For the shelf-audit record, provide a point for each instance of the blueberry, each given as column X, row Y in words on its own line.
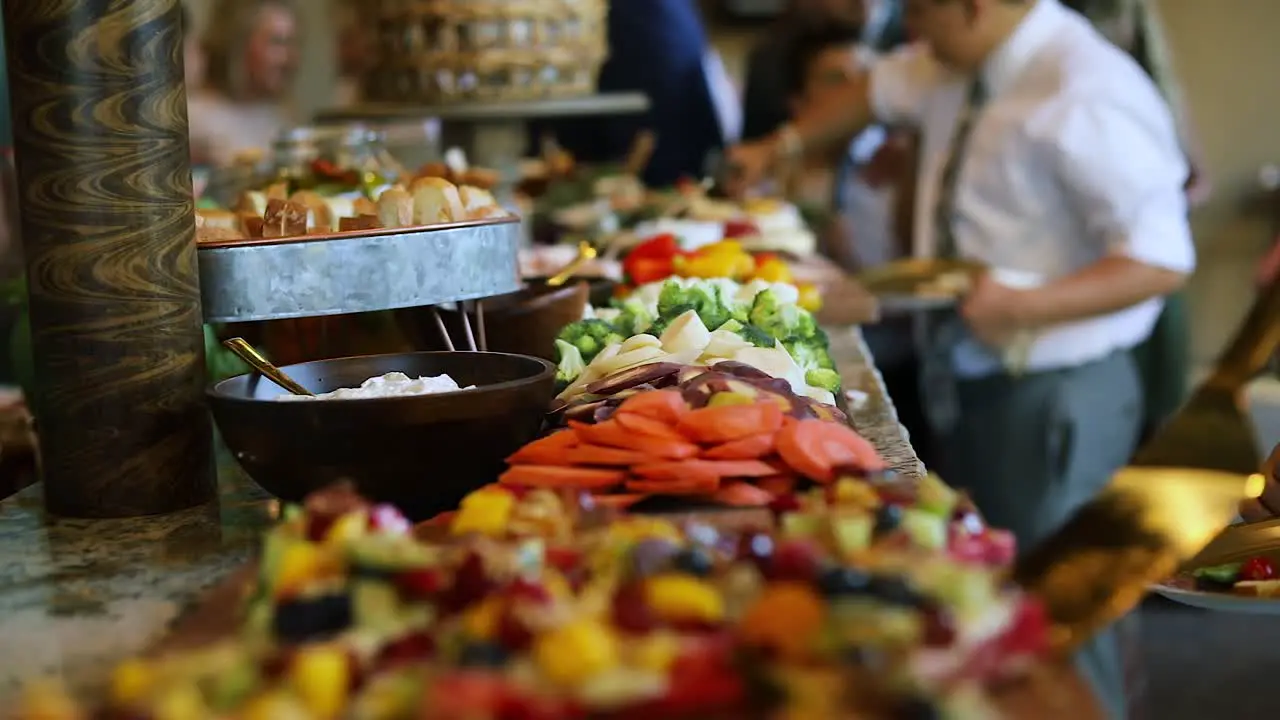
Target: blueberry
column 916, row 708
column 694, row 560
column 839, row 581
column 311, row 618
column 888, row 518
column 482, row 654
column 894, row 590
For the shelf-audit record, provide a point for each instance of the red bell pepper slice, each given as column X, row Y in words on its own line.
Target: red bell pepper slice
column 659, row 246
column 644, row 270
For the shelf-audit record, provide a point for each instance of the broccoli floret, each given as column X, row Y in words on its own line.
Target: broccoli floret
column 782, row 320
column 659, row 326
column 824, row 378
column 633, row 318
column 809, row 353
column 589, row 336
column 704, row 297
column 569, row 364
column 756, row 336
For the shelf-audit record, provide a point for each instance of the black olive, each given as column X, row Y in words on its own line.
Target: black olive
column 312, row 618
column 895, row 590
column 839, row 581
column 888, row 518
column 695, row 561
column 482, row 654
column 916, row 708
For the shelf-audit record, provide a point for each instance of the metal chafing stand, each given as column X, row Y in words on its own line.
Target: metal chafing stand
column 118, row 288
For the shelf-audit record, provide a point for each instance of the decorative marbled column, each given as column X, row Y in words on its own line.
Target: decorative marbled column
column 108, row 233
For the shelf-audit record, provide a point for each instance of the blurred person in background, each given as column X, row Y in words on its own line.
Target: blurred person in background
column 659, row 48
column 250, row 58
column 1164, row 360
column 872, row 174
column 766, row 101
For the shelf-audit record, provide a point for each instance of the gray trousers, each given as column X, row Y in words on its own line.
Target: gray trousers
column 1031, row 450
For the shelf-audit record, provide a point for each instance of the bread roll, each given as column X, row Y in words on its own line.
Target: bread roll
column 474, row 198
column 436, row 201
column 284, row 218
column 252, row 201
column 363, row 206
column 481, row 177
column 212, row 218
column 319, row 214
column 276, row 191
column 359, row 222
column 214, row 234
column 395, row 208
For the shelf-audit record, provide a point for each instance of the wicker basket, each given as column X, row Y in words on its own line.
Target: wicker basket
column 445, row 51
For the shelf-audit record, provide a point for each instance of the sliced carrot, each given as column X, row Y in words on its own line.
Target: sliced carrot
column 665, row 406
column 737, row 493
column 722, row 424
column 587, row 454
column 648, row 426
column 612, row 434
column 554, row 476
column 780, row 484
column 752, row 447
column 619, row 501
column 689, row 485
column 718, row 468
column 815, row 448
column 547, row 450
column 676, row 471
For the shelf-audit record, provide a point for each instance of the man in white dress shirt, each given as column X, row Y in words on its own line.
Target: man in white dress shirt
column 1050, row 157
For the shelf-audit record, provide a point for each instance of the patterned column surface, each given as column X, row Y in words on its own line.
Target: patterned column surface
column 108, row 234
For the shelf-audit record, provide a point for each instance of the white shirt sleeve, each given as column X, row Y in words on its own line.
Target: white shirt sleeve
column 900, row 82
column 1122, row 168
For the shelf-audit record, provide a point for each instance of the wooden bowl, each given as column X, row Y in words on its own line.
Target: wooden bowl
column 523, row 323
column 422, row 453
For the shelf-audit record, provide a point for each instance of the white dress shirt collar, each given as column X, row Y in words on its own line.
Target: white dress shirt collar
column 1007, row 61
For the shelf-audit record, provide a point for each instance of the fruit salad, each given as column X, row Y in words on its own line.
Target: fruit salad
column 535, row 604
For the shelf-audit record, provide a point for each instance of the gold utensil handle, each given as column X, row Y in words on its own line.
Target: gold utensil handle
column 1254, row 343
column 247, row 353
column 586, row 253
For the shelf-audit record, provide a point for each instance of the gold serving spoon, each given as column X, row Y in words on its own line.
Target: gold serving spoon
column 1144, row 526
column 247, row 353
column 586, row 253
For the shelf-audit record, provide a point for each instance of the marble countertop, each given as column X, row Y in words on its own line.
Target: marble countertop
column 78, row 595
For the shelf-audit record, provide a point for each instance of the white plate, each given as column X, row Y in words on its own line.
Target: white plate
column 1237, row 542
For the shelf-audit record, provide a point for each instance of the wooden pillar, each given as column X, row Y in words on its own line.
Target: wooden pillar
column 108, row 236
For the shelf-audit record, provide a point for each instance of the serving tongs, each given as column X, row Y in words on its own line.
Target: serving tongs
column 1142, row 528
column 1212, row 429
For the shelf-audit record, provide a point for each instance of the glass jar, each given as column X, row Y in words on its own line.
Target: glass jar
column 339, row 160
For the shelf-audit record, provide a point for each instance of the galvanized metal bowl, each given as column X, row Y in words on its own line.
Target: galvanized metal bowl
column 422, row 453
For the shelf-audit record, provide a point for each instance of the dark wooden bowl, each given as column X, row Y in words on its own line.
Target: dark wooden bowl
column 600, row 290
column 421, row 453
column 525, row 322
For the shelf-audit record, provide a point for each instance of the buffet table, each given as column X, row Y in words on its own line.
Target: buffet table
column 77, row 595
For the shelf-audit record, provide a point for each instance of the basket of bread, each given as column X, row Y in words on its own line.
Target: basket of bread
column 275, row 213
column 444, row 51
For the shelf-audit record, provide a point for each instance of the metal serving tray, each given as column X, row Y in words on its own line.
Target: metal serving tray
column 361, row 271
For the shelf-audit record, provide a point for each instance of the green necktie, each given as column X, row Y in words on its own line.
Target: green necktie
column 944, row 209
